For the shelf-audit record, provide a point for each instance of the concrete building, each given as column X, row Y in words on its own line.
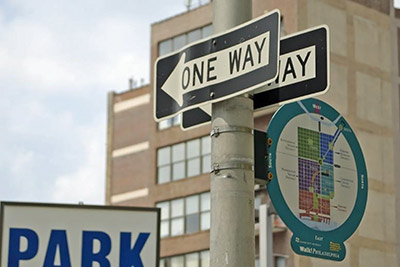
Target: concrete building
column 150, row 164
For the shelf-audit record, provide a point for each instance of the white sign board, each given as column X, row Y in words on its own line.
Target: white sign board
column 71, row 235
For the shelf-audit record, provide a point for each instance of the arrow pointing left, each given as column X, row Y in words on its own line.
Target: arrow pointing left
column 172, row 84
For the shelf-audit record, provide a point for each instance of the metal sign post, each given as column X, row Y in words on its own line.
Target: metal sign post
column 232, row 241
column 266, row 236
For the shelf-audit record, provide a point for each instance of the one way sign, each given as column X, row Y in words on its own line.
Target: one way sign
column 303, row 72
column 224, row 65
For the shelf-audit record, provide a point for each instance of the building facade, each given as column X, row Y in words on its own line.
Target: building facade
column 158, row 164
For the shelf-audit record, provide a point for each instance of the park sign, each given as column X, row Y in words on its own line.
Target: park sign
column 219, row 67
column 303, row 72
column 78, row 235
column 318, row 175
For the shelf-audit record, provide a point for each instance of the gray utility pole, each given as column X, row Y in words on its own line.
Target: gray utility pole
column 232, row 239
column 266, row 236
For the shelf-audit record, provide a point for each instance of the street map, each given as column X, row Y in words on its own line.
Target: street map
column 318, row 162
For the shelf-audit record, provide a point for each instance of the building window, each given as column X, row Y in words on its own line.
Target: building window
column 164, row 218
column 194, row 36
column 173, row 44
column 177, row 42
column 207, row 30
column 165, row 124
column 206, row 154
column 178, row 261
column 186, row 159
column 280, row 261
column 164, row 165
column 196, row 259
column 192, row 260
column 185, row 215
column 178, row 162
column 193, row 155
column 177, row 217
column 205, row 217
column 205, row 258
column 165, row 47
column 192, row 219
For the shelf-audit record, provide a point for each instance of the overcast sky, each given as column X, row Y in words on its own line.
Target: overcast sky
column 58, row 61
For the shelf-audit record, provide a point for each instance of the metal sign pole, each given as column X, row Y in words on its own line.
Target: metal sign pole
column 232, row 239
column 266, row 236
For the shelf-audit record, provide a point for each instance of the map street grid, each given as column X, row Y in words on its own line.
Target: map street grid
column 319, row 165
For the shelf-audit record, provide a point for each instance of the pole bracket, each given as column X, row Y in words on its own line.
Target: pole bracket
column 217, row 167
column 216, row 131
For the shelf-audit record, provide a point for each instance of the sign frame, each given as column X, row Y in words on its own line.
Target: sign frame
column 167, row 106
column 303, row 235
column 3, row 204
column 268, row 97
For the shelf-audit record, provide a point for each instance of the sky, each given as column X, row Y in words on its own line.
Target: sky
column 58, row 61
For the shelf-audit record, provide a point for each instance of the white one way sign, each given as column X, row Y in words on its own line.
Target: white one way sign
column 220, row 67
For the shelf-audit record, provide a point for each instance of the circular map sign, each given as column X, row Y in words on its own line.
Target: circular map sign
column 319, row 178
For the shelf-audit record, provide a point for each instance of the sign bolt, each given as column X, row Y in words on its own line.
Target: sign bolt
column 212, row 94
column 269, row 142
column 270, row 176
